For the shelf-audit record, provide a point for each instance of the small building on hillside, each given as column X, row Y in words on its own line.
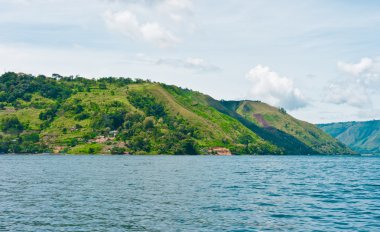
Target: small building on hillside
column 219, row 151
column 58, row 149
column 113, row 133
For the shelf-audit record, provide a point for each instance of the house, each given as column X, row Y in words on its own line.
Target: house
column 219, row 151
column 58, row 149
column 113, row 133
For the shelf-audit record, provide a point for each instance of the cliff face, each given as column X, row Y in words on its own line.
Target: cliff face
column 121, row 115
column 363, row 137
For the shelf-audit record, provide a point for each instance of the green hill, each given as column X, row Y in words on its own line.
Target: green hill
column 121, row 115
column 363, row 137
column 296, row 135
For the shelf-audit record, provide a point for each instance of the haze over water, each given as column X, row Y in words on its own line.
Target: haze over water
column 189, row 193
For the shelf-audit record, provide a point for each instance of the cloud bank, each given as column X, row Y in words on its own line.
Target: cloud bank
column 356, row 69
column 196, row 64
column 360, row 82
column 270, row 87
column 347, row 94
column 155, row 22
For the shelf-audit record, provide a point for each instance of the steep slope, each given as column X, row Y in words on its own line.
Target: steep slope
column 363, row 137
column 214, row 128
column 121, row 115
column 302, row 135
column 113, row 116
column 289, row 144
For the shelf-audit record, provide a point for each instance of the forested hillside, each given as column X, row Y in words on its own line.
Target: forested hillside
column 121, row 115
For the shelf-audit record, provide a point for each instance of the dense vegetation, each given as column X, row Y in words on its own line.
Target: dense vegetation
column 362, row 137
column 122, row 115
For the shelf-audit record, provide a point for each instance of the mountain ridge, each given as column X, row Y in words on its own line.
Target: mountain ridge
column 361, row 136
column 123, row 115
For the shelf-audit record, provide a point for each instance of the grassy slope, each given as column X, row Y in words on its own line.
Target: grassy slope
column 66, row 120
column 216, row 129
column 363, row 137
column 214, row 123
column 226, row 124
column 270, row 118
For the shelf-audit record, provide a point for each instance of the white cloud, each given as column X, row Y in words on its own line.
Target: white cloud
column 179, row 4
column 358, row 86
column 195, row 64
column 156, row 23
column 270, row 87
column 153, row 32
column 124, row 21
column 127, row 23
column 349, row 94
column 356, row 69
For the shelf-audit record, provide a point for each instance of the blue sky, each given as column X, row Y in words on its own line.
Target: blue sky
column 318, row 59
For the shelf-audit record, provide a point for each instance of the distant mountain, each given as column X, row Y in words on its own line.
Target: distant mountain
column 363, row 137
column 121, row 115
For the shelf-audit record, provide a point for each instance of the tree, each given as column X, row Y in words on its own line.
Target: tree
column 11, row 125
column 102, row 85
column 117, row 150
column 245, row 139
column 282, row 110
column 32, row 137
column 148, row 123
column 49, row 114
column 113, row 120
column 140, row 143
column 187, row 147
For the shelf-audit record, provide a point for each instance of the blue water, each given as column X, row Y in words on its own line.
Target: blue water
column 189, row 193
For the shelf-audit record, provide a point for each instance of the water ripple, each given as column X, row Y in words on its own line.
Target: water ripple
column 189, row 193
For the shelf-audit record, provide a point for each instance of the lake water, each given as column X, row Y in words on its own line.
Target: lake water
column 189, row 193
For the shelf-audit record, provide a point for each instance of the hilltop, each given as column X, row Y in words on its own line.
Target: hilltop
column 122, row 115
column 363, row 137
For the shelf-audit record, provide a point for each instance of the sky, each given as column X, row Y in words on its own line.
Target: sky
column 320, row 60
